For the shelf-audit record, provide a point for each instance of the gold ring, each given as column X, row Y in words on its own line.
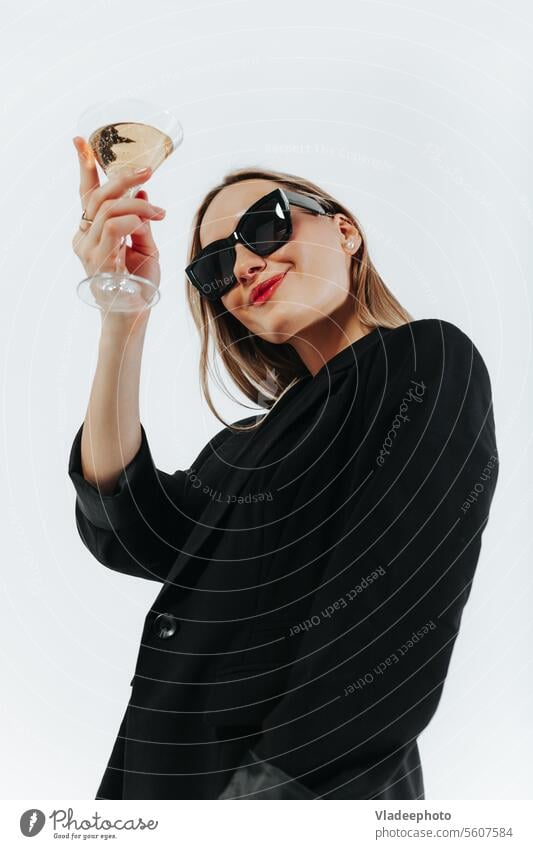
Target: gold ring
column 88, row 220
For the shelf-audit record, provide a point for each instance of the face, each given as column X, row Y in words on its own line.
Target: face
column 315, row 263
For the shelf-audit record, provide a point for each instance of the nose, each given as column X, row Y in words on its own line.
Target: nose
column 247, row 264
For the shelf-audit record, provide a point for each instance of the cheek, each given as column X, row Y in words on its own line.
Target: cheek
column 312, row 251
column 321, row 262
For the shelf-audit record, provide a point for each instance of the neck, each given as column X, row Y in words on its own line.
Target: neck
column 315, row 345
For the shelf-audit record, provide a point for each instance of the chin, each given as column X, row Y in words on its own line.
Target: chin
column 285, row 322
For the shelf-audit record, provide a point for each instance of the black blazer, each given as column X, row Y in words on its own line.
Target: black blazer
column 313, row 574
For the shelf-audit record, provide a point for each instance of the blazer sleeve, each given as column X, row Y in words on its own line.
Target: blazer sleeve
column 140, row 528
column 370, row 659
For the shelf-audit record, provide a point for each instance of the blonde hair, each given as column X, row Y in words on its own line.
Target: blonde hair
column 250, row 360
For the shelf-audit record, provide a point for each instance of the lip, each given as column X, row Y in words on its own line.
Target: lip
column 264, row 290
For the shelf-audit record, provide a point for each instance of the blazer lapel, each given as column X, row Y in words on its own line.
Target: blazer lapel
column 305, row 401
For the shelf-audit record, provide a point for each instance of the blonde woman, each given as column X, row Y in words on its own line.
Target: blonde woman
column 315, row 560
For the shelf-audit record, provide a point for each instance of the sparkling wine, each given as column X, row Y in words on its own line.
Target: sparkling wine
column 150, row 135
column 128, row 145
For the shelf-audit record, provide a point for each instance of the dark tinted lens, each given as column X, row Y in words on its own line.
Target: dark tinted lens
column 214, row 272
column 266, row 227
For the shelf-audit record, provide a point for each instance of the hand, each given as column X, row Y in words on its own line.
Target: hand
column 114, row 217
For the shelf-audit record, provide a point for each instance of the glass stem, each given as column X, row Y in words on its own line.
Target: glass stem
column 120, row 262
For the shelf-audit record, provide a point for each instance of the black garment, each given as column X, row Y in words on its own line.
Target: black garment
column 314, row 576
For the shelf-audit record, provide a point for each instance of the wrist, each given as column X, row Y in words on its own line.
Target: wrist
column 121, row 328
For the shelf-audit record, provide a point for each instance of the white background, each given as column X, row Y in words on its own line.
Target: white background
column 415, row 114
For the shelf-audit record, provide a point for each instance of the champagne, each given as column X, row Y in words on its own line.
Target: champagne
column 150, row 135
column 129, row 145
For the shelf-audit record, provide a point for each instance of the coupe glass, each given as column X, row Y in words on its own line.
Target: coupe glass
column 126, row 134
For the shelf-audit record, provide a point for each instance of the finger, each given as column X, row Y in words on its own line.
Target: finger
column 78, row 239
column 125, row 208
column 142, row 239
column 114, row 230
column 116, row 188
column 89, row 180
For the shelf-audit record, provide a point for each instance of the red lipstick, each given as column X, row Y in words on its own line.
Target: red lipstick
column 263, row 291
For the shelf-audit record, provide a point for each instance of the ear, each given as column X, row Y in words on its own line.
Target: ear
column 347, row 230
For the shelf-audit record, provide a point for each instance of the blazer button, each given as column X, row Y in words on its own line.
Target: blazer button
column 165, row 625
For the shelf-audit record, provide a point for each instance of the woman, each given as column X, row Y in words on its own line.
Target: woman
column 315, row 560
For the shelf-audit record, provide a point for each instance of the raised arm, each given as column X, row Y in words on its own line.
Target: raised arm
column 131, row 516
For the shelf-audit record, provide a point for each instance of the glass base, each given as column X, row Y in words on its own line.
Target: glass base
column 114, row 291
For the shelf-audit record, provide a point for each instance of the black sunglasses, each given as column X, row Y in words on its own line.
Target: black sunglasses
column 263, row 228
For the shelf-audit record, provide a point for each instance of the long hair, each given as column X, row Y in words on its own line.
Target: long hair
column 251, row 361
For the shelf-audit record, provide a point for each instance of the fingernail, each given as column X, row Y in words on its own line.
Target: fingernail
column 84, row 152
column 141, row 170
column 159, row 209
